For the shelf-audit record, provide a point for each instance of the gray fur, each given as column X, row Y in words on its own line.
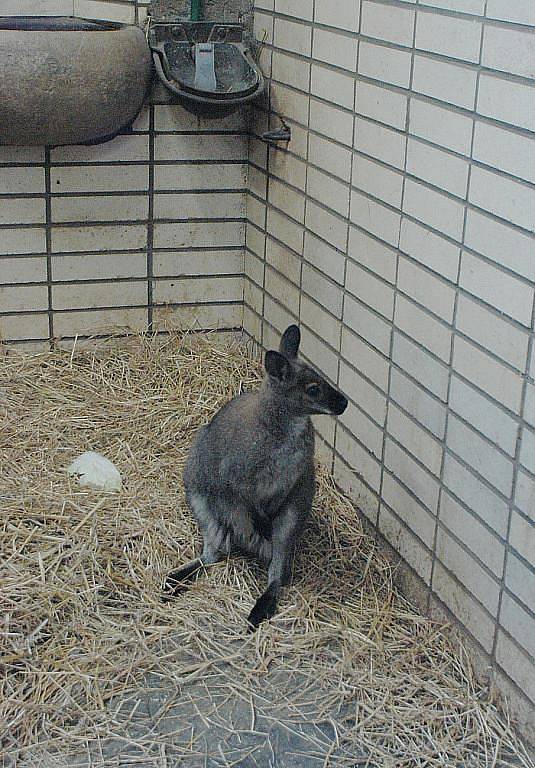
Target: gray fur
column 249, row 476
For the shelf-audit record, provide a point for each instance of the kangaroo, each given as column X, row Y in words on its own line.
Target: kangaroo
column 249, row 475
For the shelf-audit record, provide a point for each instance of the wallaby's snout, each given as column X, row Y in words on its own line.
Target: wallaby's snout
column 338, row 403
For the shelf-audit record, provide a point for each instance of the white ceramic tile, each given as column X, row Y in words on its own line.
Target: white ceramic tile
column 104, row 208
column 405, row 543
column 370, row 362
column 429, row 372
column 102, row 178
column 370, row 290
column 331, row 192
column 478, row 539
column 457, row 38
column 358, row 458
column 501, row 383
column 98, row 295
column 199, row 147
column 381, row 104
column 505, row 149
column 195, row 263
column 509, row 295
column 288, row 200
column 323, row 290
column 326, row 225
column 366, row 395
column 98, row 266
column 367, row 324
column 217, row 176
column 17, row 270
column 453, row 83
column 382, row 143
column 198, row 234
column 489, row 419
column 527, row 449
column 330, row 157
column 429, row 411
column 415, row 440
column 387, row 22
column 389, row 65
column 117, row 237
column 331, row 122
column 492, row 509
column 414, row 477
column 516, row 664
column 340, row 15
column 322, row 323
column 336, row 49
column 441, row 125
column 290, row 70
column 414, row 515
column 23, row 240
column 493, row 332
column 476, row 7
column 21, row 327
column 434, row 209
column 378, row 181
column 375, row 218
column 520, row 11
column 283, row 260
column 426, row 289
column 179, row 291
column 376, row 256
column 431, row 249
column 509, row 50
column 335, row 87
column 522, row 536
column 480, row 455
column 437, row 167
column 292, row 36
column 463, row 605
column 14, row 181
column 520, row 580
column 286, row 230
column 500, row 243
column 518, row 622
column 507, row 101
column 459, row 562
column 122, row 148
column 506, row 198
column 300, row 9
column 324, row 257
column 22, row 210
column 424, row 329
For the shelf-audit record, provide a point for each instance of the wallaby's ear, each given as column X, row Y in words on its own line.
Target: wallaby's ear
column 277, row 365
column 290, row 341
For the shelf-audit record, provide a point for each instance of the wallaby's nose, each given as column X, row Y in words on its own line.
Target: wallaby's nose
column 339, row 404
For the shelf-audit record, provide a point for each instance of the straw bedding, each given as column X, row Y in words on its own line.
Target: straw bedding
column 97, row 670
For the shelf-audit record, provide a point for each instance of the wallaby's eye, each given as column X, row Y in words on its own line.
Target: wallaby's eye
column 313, row 390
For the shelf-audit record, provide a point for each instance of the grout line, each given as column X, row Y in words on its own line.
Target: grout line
column 48, row 236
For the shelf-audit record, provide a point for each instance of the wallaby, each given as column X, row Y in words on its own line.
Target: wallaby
column 249, row 475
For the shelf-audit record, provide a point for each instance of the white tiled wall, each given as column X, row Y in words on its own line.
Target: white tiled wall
column 398, row 228
column 147, row 229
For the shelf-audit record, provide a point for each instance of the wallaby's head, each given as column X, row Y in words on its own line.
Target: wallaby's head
column 304, row 390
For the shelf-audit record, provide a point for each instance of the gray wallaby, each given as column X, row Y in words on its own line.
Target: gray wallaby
column 249, row 476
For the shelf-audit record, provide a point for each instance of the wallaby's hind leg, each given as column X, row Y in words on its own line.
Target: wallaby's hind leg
column 285, row 532
column 178, row 580
column 215, row 543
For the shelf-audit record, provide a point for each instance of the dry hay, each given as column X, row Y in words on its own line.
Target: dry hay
column 84, row 628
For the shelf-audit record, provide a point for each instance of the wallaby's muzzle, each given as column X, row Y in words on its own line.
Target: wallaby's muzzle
column 338, row 403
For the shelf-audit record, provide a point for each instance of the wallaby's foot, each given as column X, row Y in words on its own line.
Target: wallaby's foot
column 264, row 608
column 177, row 581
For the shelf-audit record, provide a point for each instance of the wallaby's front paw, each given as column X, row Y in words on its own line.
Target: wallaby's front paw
column 264, row 608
